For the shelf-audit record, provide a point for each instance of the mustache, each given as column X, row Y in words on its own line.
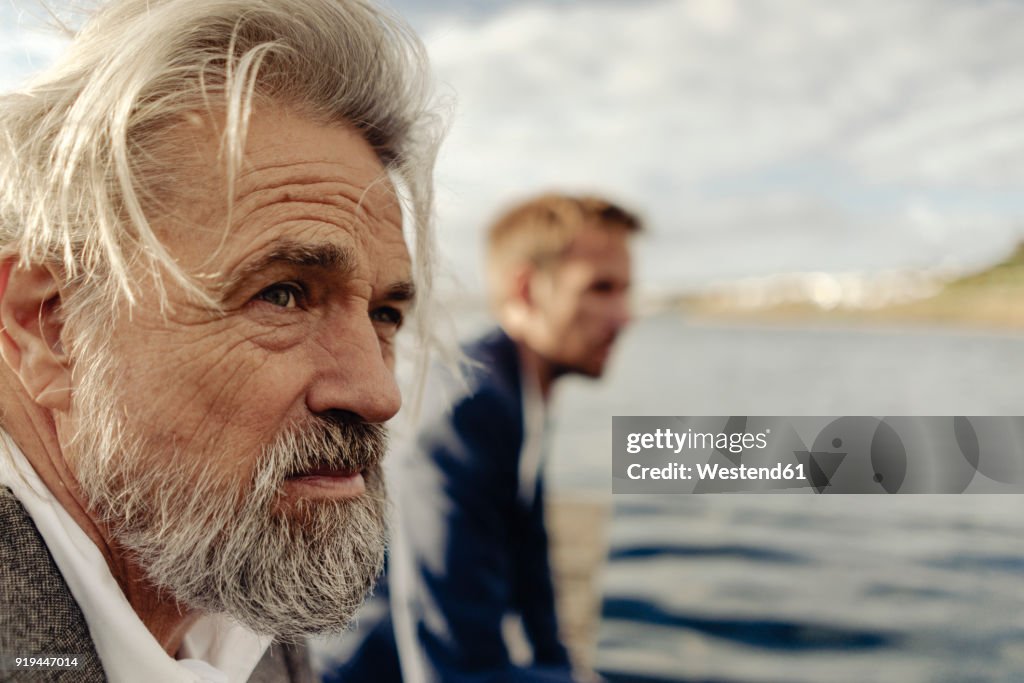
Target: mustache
column 328, row 443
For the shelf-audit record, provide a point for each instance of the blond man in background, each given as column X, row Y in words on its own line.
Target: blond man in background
column 471, row 546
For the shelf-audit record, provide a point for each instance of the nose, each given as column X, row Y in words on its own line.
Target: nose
column 353, row 375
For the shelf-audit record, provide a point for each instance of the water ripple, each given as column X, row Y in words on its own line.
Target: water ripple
column 616, row 677
column 773, row 634
column 964, row 562
column 740, row 552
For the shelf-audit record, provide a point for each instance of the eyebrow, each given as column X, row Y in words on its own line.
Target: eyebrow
column 322, row 255
column 401, row 291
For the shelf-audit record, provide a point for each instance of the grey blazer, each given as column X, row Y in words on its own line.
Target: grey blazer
column 39, row 616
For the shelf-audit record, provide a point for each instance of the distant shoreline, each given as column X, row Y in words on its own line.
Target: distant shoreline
column 990, row 299
column 992, row 311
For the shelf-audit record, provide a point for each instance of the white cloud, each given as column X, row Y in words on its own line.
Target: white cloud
column 754, row 135
column 657, row 102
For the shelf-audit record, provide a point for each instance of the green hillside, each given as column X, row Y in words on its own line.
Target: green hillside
column 1007, row 273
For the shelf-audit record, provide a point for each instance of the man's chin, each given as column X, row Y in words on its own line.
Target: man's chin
column 595, row 366
column 316, row 563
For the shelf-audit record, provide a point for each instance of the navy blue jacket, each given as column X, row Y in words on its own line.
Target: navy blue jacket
column 469, row 547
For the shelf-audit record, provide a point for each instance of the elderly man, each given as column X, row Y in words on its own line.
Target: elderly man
column 471, row 546
column 203, row 273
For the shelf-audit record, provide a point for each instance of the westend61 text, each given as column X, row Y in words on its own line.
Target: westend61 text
column 708, row 472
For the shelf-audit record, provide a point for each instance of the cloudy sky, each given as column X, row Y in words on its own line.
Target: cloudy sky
column 755, row 136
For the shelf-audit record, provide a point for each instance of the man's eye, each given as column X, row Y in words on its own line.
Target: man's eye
column 389, row 315
column 283, row 294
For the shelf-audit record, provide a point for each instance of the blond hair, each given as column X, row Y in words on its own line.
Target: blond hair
column 538, row 231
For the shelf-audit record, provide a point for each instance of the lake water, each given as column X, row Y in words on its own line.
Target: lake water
column 802, row 588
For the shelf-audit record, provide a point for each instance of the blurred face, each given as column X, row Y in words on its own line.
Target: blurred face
column 237, row 453
column 582, row 303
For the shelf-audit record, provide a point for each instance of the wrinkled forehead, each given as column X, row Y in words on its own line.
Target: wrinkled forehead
column 296, row 177
column 282, row 144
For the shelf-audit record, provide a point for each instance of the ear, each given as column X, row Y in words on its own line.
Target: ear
column 521, row 287
column 30, row 340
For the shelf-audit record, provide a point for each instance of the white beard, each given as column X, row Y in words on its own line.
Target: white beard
column 217, row 546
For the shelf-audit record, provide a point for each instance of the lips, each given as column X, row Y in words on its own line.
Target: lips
column 330, row 458
column 325, row 484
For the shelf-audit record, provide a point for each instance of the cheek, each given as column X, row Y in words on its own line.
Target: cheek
column 590, row 323
column 215, row 393
column 587, row 311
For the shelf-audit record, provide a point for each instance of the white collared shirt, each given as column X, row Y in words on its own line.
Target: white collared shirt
column 535, row 435
column 215, row 649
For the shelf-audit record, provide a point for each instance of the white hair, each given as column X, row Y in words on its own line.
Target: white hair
column 87, row 150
